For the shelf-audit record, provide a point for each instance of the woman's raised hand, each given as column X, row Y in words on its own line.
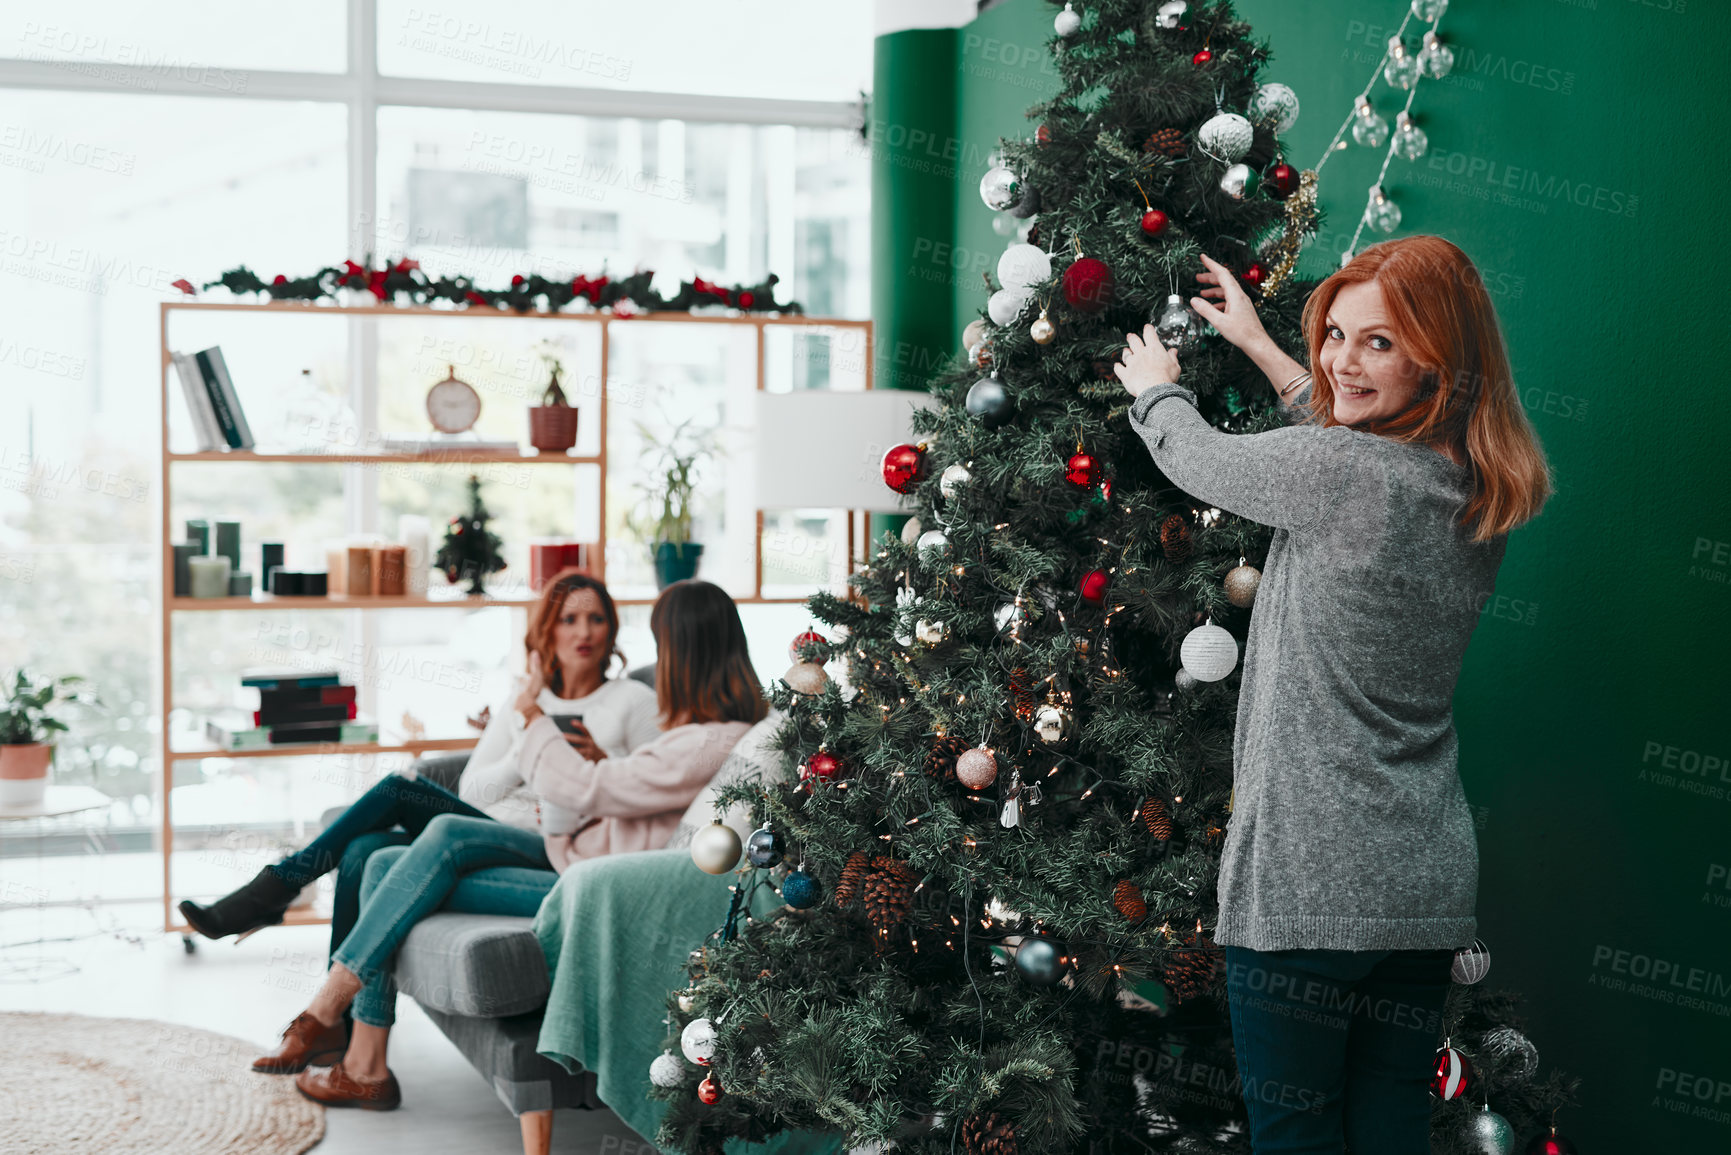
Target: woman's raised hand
column 1146, row 362
column 532, row 684
column 1234, row 317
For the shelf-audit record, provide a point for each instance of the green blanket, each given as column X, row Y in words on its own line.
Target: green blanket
column 616, row 932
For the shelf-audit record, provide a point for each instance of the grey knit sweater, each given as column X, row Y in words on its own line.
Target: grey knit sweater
column 1349, row 828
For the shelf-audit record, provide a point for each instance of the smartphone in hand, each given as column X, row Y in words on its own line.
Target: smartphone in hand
column 569, row 723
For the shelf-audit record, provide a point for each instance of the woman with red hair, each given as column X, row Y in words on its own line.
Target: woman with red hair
column 1350, row 869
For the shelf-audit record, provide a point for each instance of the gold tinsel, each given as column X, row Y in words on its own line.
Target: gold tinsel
column 1300, row 224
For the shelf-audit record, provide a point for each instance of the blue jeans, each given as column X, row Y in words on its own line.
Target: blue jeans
column 473, row 865
column 1335, row 1047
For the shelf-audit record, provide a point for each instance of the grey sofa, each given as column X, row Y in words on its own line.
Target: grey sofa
column 483, row 980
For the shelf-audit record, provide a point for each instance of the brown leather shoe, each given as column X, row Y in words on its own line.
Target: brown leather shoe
column 335, row 1087
column 304, row 1041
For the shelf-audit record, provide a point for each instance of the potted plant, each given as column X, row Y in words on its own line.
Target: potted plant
column 553, row 423
column 27, row 729
column 662, row 519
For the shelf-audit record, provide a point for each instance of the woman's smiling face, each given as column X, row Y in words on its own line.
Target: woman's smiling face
column 1373, row 378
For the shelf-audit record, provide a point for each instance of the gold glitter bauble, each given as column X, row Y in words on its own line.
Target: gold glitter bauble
column 1241, row 582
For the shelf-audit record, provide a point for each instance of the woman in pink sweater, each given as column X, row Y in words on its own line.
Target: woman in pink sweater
column 709, row 697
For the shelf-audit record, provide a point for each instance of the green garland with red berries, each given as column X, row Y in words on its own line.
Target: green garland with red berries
column 404, row 282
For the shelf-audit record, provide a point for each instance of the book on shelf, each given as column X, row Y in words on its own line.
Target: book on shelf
column 264, row 678
column 205, row 429
column 237, row 732
column 305, row 695
column 271, row 714
column 443, row 443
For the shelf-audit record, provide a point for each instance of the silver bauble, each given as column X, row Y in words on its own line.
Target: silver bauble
column 930, row 632
column 806, row 678
column 1492, row 1133
column 687, row 1001
column 1171, row 13
column 932, row 546
column 1513, row 1052
column 1241, row 582
column 1209, row 652
column 1226, row 137
column 1023, row 266
column 1009, row 616
column 1042, row 330
column 1066, row 22
column 667, row 1070
column 715, row 848
column 1184, row 680
column 1239, row 181
column 952, row 477
column 1472, row 963
column 1177, row 326
column 697, row 1040
column 1052, row 723
column 999, row 188
column 1277, row 103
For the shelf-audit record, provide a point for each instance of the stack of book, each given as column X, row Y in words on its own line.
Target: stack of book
column 293, row 706
column 217, row 419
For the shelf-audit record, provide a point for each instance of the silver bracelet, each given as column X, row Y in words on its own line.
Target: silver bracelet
column 1288, row 387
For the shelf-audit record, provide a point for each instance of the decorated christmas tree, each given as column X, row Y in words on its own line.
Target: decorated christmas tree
column 998, row 855
column 470, row 550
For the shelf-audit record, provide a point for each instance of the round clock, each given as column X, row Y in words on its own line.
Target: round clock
column 452, row 404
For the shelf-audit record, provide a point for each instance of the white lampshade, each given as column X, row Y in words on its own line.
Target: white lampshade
column 819, row 448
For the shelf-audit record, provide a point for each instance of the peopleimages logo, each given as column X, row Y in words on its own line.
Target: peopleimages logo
column 1515, row 180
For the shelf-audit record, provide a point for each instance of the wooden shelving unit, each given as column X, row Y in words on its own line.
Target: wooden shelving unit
column 456, row 456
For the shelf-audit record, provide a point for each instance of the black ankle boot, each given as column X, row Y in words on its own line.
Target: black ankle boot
column 260, row 902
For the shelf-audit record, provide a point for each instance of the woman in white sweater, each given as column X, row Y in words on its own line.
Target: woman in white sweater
column 573, row 634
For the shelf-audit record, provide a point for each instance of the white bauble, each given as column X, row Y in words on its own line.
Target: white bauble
column 715, row 849
column 1066, row 22
column 931, row 633
column 666, row 1070
column 912, row 530
column 1226, row 136
column 697, row 1040
column 1209, row 652
column 1471, row 963
column 1006, row 305
column 974, row 333
column 952, row 477
column 1005, row 225
column 1277, row 101
column 932, row 546
column 1171, row 14
column 1023, row 267
column 806, row 678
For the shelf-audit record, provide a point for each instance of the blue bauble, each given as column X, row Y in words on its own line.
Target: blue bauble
column 1040, row 961
column 800, row 890
column 764, row 848
column 990, row 402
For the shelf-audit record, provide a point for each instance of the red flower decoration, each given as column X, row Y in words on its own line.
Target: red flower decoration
column 747, row 299
column 185, row 286
column 405, row 265
column 279, row 279
column 516, row 279
column 376, row 282
column 474, row 298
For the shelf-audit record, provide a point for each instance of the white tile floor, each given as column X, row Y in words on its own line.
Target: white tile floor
column 118, row 965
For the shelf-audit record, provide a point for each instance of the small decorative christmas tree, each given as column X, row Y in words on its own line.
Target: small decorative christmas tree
column 470, row 550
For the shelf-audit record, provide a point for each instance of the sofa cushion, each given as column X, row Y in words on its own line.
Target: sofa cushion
column 485, row 965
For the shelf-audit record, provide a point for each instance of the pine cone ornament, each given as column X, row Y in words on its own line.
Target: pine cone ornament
column 1128, row 899
column 853, row 873
column 1175, row 538
column 889, row 892
column 1022, row 694
column 1034, row 235
column 1192, row 969
column 1167, row 142
column 988, row 1135
column 1155, row 818
column 941, row 762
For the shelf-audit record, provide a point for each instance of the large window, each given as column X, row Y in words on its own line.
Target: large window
column 143, row 145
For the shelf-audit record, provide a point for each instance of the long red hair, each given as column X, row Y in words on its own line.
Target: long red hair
column 539, row 639
column 1443, row 320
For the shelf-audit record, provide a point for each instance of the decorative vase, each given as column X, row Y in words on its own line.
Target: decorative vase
column 675, row 561
column 24, row 773
column 552, row 428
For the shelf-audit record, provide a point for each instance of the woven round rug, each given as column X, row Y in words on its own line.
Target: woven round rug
column 75, row 1083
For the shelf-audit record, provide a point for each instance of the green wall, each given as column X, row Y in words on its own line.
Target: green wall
column 1576, row 155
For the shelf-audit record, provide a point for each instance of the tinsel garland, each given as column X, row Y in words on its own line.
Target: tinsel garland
column 1299, row 226
column 405, row 282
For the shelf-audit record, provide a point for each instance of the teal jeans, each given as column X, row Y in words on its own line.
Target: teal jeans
column 458, row 863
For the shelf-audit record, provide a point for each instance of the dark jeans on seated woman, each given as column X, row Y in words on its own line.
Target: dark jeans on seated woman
column 371, row 823
column 1335, row 1047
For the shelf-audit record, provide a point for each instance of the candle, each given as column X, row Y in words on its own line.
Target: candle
column 239, row 584
column 415, row 532
column 228, row 543
column 209, row 573
column 183, row 552
column 269, row 558
column 198, row 533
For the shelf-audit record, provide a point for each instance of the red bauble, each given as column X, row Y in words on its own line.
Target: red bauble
column 279, row 279
column 709, row 1091
column 1451, row 1075
column 1281, row 182
column 516, row 278
column 747, row 299
column 1093, row 587
column 1043, row 135
column 1153, row 222
column 1106, row 490
column 821, row 767
column 1202, row 57
column 1088, row 284
column 1256, row 274
column 806, row 638
column 904, row 466
column 1084, row 469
